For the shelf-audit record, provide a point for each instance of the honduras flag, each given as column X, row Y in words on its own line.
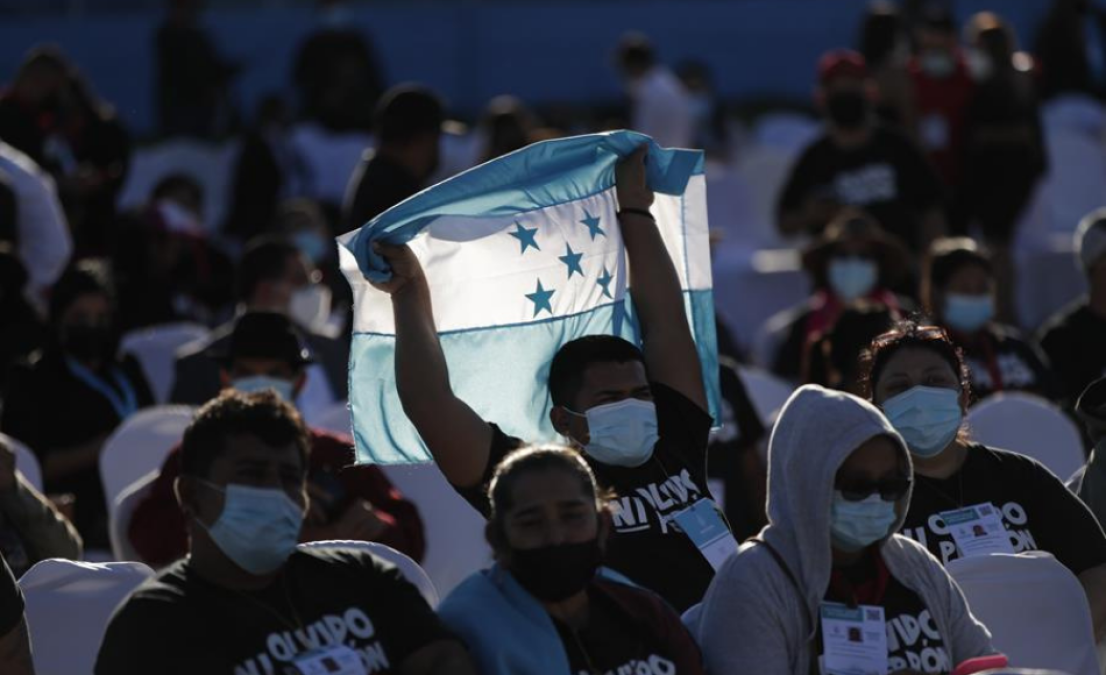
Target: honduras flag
column 522, row 254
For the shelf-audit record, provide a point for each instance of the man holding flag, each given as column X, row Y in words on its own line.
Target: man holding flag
column 639, row 416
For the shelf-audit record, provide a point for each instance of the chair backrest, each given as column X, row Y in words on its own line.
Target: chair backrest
column 140, row 446
column 120, row 519
column 68, row 608
column 767, row 392
column 335, row 419
column 26, row 462
column 1031, row 426
column 156, row 349
column 408, row 567
column 1045, row 623
column 455, row 545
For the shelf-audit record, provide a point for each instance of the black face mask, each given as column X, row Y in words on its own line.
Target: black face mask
column 89, row 342
column 554, row 573
column 847, row 109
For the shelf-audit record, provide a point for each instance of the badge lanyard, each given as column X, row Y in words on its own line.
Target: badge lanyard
column 124, row 406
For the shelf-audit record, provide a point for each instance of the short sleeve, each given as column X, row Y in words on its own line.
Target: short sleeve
column 683, row 426
column 501, row 446
column 410, row 624
column 133, row 641
column 799, row 182
column 11, row 599
column 1068, row 529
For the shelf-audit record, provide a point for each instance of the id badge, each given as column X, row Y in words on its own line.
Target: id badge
column 854, row 640
column 336, row 660
column 708, row 532
column 977, row 530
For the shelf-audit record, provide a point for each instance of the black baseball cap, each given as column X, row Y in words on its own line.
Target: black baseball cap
column 264, row 335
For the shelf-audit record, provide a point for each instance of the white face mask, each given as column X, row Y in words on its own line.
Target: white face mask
column 622, row 433
column 310, row 307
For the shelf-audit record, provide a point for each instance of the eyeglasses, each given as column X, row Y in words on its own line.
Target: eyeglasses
column 890, row 489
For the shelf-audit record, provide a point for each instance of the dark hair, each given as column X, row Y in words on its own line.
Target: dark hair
column 407, row 112
column 880, row 31
column 635, row 51
column 263, row 415
column 835, row 354
column 566, row 372
column 946, row 257
column 85, row 276
column 533, row 459
column 911, row 334
column 937, row 17
column 49, row 56
column 265, row 259
column 178, row 182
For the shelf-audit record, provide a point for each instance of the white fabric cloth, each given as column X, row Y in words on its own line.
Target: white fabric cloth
column 120, row 520
column 662, row 109
column 1034, row 607
column 139, row 446
column 1031, row 426
column 156, row 347
column 45, row 244
column 68, row 607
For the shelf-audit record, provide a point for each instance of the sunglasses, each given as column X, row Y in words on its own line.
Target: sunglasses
column 890, row 489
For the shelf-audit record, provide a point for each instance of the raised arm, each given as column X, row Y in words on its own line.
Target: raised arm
column 457, row 437
column 670, row 355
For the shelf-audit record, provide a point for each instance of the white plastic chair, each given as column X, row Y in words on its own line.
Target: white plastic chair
column 408, row 567
column 140, row 446
column 156, row 348
column 1044, row 623
column 68, row 608
column 455, row 545
column 26, row 462
column 335, row 419
column 120, row 519
column 1031, row 426
column 767, row 392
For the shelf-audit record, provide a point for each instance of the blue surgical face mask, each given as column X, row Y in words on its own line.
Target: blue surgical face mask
column 258, row 528
column 968, row 313
column 857, row 525
column 852, row 277
column 926, row 417
column 621, row 433
column 256, row 383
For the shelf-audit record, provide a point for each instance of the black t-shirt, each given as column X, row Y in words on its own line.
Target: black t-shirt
column 612, row 642
column 647, row 545
column 179, row 623
column 11, row 599
column 1038, row 512
column 1074, row 342
column 887, row 177
column 1000, row 360
column 913, row 641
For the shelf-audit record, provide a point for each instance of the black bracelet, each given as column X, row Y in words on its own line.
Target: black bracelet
column 640, row 212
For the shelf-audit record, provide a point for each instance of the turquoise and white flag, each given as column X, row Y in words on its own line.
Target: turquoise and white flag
column 522, row 254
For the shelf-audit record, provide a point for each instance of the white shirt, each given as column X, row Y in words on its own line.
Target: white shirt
column 662, row 109
column 45, row 244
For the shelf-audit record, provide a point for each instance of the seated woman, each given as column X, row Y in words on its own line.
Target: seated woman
column 542, row 608
column 918, row 377
column 72, row 395
column 839, row 487
column 853, row 260
column 958, row 288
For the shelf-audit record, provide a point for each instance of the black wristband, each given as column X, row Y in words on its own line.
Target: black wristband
column 640, row 212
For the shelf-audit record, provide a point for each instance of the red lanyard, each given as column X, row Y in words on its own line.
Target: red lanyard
column 870, row 592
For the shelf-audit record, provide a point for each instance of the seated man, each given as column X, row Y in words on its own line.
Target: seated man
column 639, row 417
column 31, row 529
column 15, row 642
column 266, row 351
column 246, row 600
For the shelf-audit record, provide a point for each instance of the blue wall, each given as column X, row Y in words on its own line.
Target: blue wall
column 545, row 51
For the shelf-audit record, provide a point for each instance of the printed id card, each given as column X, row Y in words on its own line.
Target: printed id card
column 854, row 640
column 336, row 660
column 708, row 532
column 978, row 530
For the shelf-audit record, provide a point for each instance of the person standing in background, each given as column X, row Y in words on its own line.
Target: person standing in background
column 660, row 105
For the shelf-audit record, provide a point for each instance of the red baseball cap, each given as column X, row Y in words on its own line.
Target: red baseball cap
column 841, row 63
